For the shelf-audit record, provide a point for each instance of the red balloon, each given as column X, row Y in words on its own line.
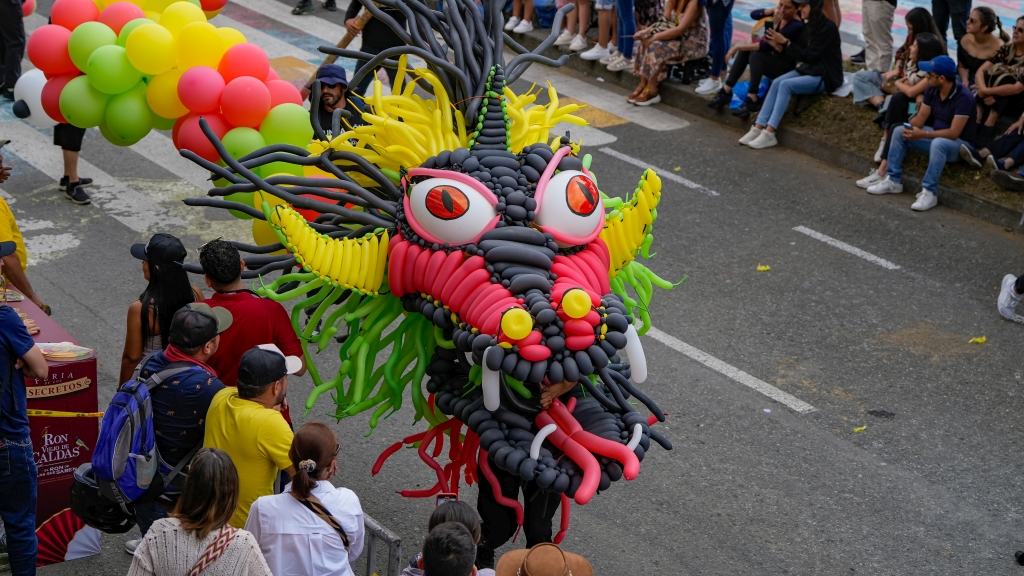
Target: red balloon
column 120, row 13
column 245, row 102
column 244, row 59
column 48, row 50
column 28, row 7
column 191, row 137
column 51, row 96
column 71, row 13
column 282, row 92
column 200, row 89
column 272, row 75
column 212, row 5
column 177, row 128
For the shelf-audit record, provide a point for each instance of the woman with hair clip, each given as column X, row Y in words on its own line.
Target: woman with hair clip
column 313, row 527
column 999, row 84
column 167, row 292
column 978, row 45
column 872, row 86
column 196, row 538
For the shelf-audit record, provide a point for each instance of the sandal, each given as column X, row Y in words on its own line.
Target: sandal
column 636, row 94
column 646, row 99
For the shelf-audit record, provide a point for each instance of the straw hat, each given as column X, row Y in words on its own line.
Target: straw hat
column 543, row 560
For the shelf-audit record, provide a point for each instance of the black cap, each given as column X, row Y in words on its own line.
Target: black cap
column 7, row 248
column 265, row 364
column 161, row 249
column 196, row 324
column 332, row 75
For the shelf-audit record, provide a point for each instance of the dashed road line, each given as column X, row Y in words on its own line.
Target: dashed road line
column 663, row 173
column 847, row 248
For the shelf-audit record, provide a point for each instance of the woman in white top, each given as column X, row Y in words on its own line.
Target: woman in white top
column 196, row 538
column 313, row 527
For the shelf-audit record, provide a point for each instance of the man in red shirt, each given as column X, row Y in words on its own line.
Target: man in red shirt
column 256, row 320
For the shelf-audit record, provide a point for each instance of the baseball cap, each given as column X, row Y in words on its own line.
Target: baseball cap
column 266, row 364
column 196, row 324
column 331, row 74
column 161, row 249
column 941, row 65
column 543, row 560
column 7, row 248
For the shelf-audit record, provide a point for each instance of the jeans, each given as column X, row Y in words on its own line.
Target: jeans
column 783, row 88
column 720, row 17
column 364, row 84
column 626, row 26
column 12, row 42
column 956, row 10
column 146, row 513
column 940, row 151
column 18, row 503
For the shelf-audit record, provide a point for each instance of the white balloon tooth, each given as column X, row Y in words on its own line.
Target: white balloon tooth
column 539, row 439
column 491, row 386
column 638, row 432
column 635, row 352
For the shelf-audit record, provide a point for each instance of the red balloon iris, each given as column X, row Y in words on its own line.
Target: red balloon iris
column 447, row 202
column 582, row 195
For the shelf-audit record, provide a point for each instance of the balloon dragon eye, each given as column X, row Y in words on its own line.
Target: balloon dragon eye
column 570, row 208
column 447, row 202
column 449, row 207
column 582, row 195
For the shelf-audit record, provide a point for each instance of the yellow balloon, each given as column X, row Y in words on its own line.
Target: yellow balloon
column 263, row 235
column 156, row 5
column 576, row 303
column 151, row 49
column 152, row 15
column 230, row 36
column 181, row 14
column 211, row 14
column 260, row 196
column 199, row 44
column 516, row 323
column 162, row 94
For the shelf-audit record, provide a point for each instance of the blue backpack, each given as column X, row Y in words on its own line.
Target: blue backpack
column 126, row 462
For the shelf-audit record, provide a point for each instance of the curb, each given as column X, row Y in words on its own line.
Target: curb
column 683, row 97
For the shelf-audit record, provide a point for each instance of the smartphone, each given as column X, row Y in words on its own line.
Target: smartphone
column 769, row 25
column 908, row 126
column 446, row 497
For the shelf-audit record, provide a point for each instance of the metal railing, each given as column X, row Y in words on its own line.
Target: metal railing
column 376, row 533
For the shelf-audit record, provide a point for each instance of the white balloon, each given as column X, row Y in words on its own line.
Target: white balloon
column 30, row 89
column 491, row 386
column 637, row 358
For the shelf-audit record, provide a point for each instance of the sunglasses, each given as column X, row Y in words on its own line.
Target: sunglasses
column 1018, row 29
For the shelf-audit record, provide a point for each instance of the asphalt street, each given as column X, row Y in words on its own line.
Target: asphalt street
column 875, row 341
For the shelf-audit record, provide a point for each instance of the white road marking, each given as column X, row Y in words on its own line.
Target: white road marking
column 589, row 135
column 663, row 173
column 274, row 47
column 48, row 246
column 159, row 150
column 847, row 248
column 130, row 207
column 794, row 403
column 28, row 225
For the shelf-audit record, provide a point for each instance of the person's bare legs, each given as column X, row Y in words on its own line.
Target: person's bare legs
column 570, row 20
column 639, row 87
column 605, row 25
column 584, row 16
column 71, row 165
column 615, row 28
column 528, row 10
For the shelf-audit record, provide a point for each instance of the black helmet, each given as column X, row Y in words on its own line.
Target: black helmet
column 95, row 509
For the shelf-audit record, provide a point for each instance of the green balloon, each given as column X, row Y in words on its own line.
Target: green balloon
column 111, row 137
column 241, row 198
column 196, row 2
column 161, row 123
column 81, row 104
column 241, row 141
column 128, row 116
column 287, row 124
column 268, row 170
column 109, row 70
column 86, row 38
column 122, row 38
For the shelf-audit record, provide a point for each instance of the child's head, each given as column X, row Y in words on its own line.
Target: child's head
column 456, row 512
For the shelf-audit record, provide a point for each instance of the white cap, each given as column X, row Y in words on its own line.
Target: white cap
column 292, row 364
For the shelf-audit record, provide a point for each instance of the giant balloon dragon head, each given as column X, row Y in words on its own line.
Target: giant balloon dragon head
column 492, row 249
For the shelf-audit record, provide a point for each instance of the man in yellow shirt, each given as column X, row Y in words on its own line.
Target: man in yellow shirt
column 16, row 264
column 246, row 423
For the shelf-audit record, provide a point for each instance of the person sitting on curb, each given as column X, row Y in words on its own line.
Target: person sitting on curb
column 950, row 106
column 1003, row 153
column 681, row 35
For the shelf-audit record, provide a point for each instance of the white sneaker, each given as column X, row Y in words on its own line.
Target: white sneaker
column 765, row 139
column 597, row 52
column 870, row 180
column 1008, row 297
column 990, row 165
column 131, row 545
column 926, row 200
column 612, row 56
column 886, row 186
column 621, row 64
column 751, row 135
column 708, row 86
column 523, row 27
column 578, row 43
column 878, row 153
column 564, row 38
column 511, row 23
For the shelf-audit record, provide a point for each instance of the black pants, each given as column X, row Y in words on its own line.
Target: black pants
column 762, row 64
column 956, row 10
column 1009, row 146
column 896, row 114
column 1019, row 285
column 499, row 522
column 12, row 42
column 365, row 82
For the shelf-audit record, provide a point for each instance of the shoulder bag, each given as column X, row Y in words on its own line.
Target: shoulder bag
column 214, row 550
column 314, row 505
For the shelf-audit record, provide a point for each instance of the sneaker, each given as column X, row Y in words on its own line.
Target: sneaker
column 83, row 182
column 523, row 27
column 971, row 156
column 870, row 180
column 708, row 86
column 721, row 100
column 612, row 56
column 878, row 153
column 1009, row 180
column 131, row 545
column 859, row 57
column 578, row 43
column 765, row 139
column 992, row 165
column 886, row 186
column 303, row 7
column 621, row 64
column 564, row 38
column 75, row 193
column 648, row 102
column 511, row 23
column 749, row 136
column 331, row 6
column 744, row 109
column 597, row 52
column 926, row 200
column 1008, row 297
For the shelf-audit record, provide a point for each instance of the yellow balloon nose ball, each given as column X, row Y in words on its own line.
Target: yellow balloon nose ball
column 516, row 323
column 576, row 303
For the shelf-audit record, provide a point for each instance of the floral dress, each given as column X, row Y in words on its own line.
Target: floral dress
column 653, row 60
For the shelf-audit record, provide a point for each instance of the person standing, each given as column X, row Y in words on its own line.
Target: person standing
column 377, row 37
column 306, row 7
column 333, row 86
column 956, row 11
column 12, row 45
column 876, row 22
column 69, row 138
column 720, row 20
column 246, row 423
column 19, row 358
column 16, row 261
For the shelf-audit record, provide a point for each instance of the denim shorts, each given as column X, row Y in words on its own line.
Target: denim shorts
column 604, row 4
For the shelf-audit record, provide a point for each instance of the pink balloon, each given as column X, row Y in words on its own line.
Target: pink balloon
column 191, row 137
column 282, row 92
column 51, row 96
column 244, row 59
column 272, row 75
column 120, row 13
column 28, row 7
column 48, row 50
column 200, row 89
column 245, row 102
column 71, row 13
